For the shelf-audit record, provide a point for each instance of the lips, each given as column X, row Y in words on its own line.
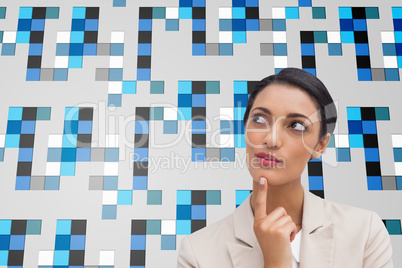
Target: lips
column 268, row 157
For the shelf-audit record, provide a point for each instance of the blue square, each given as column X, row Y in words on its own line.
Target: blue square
column 129, row 87
column 110, row 183
column 172, row 25
column 8, row 49
column 198, row 154
column 345, row 13
column 364, row 74
column 33, row 74
column 77, row 242
column 138, row 242
column 117, row 49
column 252, row 25
column 25, row 13
column 355, row 127
column 77, row 37
column 279, row 24
column 91, row 25
column 226, row 49
column 183, row 227
column 125, row 197
column 63, row 227
column 83, row 155
column 62, row 49
column 356, row 141
column 23, row 183
column 238, row 24
column 25, row 154
column 143, row 74
column 307, row 49
column 109, row 212
column 251, row 3
column 13, row 127
column 359, row 25
column 183, row 197
column 84, row 127
column 61, row 257
column 140, row 155
column 304, row 3
column 144, row 49
column 225, row 25
column 346, row 24
column 198, row 24
column 145, row 25
column 362, row 49
column 119, row 3
column 239, row 37
column 342, row 154
column 38, row 25
column 374, row 183
column 24, row 25
column 227, row 154
column 168, row 242
column 185, row 12
column 183, row 212
column 199, row 49
column 79, row 12
column 198, row 3
column 347, row 37
column 141, row 127
column 239, row 12
column 353, row 113
column 116, row 74
column 315, row 183
column 140, row 182
column 75, row 61
column 170, row 127
column 52, row 182
column 90, row 49
column 292, row 12
column 391, row 74
column 372, row 154
column 184, row 100
column 15, row 113
column 60, row 74
column 62, row 242
column 198, row 212
column 198, row 100
column 111, row 154
column 198, row 127
column 280, row 49
column 369, row 127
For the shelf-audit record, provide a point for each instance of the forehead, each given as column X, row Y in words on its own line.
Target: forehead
column 284, row 99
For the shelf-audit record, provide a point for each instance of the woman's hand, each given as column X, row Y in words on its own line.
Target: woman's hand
column 274, row 232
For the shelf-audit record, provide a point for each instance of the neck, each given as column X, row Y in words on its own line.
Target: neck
column 290, row 196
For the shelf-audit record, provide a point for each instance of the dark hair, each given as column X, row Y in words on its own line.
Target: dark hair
column 308, row 83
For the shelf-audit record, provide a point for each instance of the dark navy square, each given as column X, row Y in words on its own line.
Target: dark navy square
column 184, row 100
column 355, row 127
column 76, row 49
column 239, row 127
column 240, row 100
column 70, row 127
column 183, row 212
column 24, row 24
column 185, row 3
column 238, row 3
column 397, row 24
column 238, row 24
column 346, row 24
column 68, row 155
column 398, row 48
column 78, row 25
column 13, row 127
column 62, row 242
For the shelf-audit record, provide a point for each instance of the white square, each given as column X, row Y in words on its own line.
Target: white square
column 398, row 168
column 115, row 87
column 53, row 168
column 117, row 37
column 112, row 140
column 278, row 13
column 55, row 141
column 168, row 227
column 390, row 62
column 334, row 37
column 226, row 114
column 387, row 37
column 172, row 13
column 111, row 169
column 45, row 257
column 109, row 198
column 397, row 140
column 116, row 62
column 63, row 37
column 226, row 140
column 9, row 37
column 170, row 113
column 281, row 61
column 225, row 37
column 61, row 62
column 341, row 140
column 106, row 257
column 279, row 37
column 2, row 140
column 225, row 12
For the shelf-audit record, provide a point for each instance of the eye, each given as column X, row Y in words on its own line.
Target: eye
column 299, row 126
column 259, row 119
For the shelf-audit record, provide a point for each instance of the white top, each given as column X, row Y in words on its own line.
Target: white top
column 295, row 244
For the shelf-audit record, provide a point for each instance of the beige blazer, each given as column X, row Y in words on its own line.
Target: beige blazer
column 334, row 235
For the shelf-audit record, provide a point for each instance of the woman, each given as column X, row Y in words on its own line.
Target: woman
column 289, row 120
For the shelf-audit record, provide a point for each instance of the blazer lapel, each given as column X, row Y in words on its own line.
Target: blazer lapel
column 247, row 253
column 317, row 240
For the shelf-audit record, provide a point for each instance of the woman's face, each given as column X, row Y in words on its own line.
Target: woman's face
column 283, row 121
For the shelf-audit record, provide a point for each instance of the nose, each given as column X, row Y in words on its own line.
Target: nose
column 273, row 138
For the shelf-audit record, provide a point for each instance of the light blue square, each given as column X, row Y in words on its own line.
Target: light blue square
column 239, row 37
column 77, row 242
column 342, row 154
column 353, row 113
column 292, row 12
column 397, row 12
column 67, row 169
column 345, row 13
column 184, row 87
column 61, row 257
column 398, row 36
column 374, row 183
column 356, row 141
column 315, row 183
column 170, row 127
column 184, row 113
column 109, row 212
column 241, row 195
column 183, row 227
column 168, row 242
column 138, row 242
column 4, row 257
column 75, row 62
column 124, row 197
column 240, row 87
column 52, row 182
column 198, row 212
column 140, row 155
column 17, row 242
column 25, row 13
column 79, row 12
column 140, row 182
column 347, row 37
column 15, row 113
column 238, row 12
column 12, row 141
column 71, row 113
column 185, row 13
column 129, row 87
column 240, row 141
column 183, row 197
column 141, row 127
column 23, row 37
column 5, row 227
column 70, row 141
column 239, row 113
column 77, row 37
column 372, row 154
column 63, row 227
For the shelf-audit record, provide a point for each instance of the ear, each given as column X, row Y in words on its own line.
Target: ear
column 321, row 146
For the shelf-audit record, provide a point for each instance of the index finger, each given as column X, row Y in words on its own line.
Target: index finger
column 261, row 200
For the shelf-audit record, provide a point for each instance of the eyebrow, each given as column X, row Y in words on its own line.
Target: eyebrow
column 291, row 115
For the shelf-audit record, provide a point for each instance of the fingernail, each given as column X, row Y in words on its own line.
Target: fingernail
column 262, row 181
